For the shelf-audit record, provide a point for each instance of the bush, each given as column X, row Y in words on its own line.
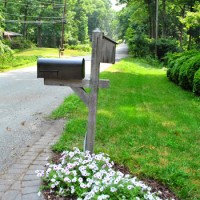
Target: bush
column 196, row 83
column 164, row 46
column 187, row 71
column 6, row 54
column 139, row 46
column 194, row 65
column 183, row 79
column 176, row 68
column 182, row 68
column 170, row 60
column 175, row 62
column 19, row 43
column 80, row 47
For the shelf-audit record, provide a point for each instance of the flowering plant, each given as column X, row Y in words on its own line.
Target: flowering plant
column 89, row 176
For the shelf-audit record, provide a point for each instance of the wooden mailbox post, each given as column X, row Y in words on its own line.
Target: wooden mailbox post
column 103, row 50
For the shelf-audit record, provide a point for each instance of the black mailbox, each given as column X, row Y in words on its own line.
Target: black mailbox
column 63, row 69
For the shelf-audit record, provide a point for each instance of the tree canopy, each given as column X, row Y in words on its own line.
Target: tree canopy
column 178, row 22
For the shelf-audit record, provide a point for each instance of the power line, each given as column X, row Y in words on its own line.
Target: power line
column 20, row 3
column 35, row 22
column 34, row 16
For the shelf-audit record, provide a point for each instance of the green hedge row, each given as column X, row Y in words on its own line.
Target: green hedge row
column 184, row 70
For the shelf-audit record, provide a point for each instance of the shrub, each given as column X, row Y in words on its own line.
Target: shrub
column 175, row 63
column 193, row 66
column 196, row 83
column 138, row 42
column 183, row 79
column 19, row 43
column 164, row 46
column 81, row 47
column 176, row 68
column 187, row 72
column 170, row 60
column 6, row 54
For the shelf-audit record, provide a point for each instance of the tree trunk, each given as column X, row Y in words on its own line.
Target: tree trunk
column 25, row 25
column 164, row 19
column 156, row 30
column 181, row 27
column 189, row 42
column 39, row 36
column 5, row 4
column 150, row 18
column 190, row 30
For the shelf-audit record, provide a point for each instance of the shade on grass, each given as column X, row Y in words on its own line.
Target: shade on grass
column 144, row 122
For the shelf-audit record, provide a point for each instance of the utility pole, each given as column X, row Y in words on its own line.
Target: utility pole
column 63, row 26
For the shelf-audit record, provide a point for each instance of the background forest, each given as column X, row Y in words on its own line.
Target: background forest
column 41, row 21
column 170, row 25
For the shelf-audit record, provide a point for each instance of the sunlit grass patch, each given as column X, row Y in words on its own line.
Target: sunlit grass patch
column 144, row 122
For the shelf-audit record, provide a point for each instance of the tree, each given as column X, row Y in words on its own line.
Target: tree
column 161, row 22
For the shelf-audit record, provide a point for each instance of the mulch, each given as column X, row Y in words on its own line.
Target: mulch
column 156, row 186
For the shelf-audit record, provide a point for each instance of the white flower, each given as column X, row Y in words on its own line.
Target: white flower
column 82, row 185
column 74, row 180
column 71, row 154
column 113, row 189
column 39, row 193
column 72, row 189
column 101, row 189
column 94, row 172
column 66, row 179
column 95, row 189
column 53, row 180
column 80, row 180
column 57, row 183
column 129, row 187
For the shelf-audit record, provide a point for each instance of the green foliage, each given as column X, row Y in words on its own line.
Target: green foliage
column 192, row 19
column 138, row 43
column 164, row 46
column 80, row 47
column 196, row 83
column 188, row 71
column 172, row 34
column 19, row 43
column 17, row 61
column 182, row 68
column 6, row 54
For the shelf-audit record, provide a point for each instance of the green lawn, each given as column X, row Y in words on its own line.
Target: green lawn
column 50, row 52
column 28, row 57
column 144, row 122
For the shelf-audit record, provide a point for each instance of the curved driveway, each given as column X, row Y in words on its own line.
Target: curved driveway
column 24, row 103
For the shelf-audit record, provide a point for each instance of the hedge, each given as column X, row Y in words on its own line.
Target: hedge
column 196, row 83
column 182, row 68
column 187, row 72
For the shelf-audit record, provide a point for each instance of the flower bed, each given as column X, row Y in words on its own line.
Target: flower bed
column 82, row 176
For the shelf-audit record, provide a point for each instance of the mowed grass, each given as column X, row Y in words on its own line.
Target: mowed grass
column 50, row 52
column 144, row 122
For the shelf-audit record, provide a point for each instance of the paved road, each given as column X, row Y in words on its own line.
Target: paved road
column 24, row 102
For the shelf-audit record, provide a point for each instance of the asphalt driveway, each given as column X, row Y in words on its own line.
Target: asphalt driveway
column 24, row 104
